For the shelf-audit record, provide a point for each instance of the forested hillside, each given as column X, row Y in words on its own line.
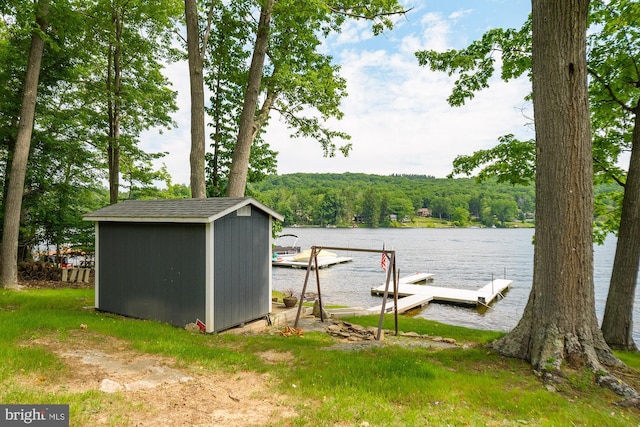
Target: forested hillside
column 374, row 200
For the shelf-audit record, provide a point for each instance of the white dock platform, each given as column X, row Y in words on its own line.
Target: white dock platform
column 420, row 295
column 412, row 279
column 404, row 304
column 322, row 262
column 415, row 278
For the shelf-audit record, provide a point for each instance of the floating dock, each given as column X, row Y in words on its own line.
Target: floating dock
column 288, row 261
column 412, row 295
column 411, row 279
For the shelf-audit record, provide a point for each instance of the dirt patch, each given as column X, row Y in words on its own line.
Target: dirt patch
column 274, row 357
column 162, row 393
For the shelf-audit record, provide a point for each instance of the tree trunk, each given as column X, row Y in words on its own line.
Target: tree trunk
column 114, row 83
column 246, row 130
column 196, row 80
column 13, row 203
column 559, row 323
column 617, row 323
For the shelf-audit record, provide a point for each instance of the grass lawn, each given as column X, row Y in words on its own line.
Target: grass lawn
column 47, row 335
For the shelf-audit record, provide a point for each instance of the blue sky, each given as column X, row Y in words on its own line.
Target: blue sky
column 396, row 111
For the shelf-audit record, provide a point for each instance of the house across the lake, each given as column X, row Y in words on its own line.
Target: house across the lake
column 424, row 212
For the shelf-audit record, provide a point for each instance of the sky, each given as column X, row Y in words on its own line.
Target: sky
column 396, row 112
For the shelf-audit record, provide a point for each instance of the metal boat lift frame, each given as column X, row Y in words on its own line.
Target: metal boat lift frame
column 391, row 273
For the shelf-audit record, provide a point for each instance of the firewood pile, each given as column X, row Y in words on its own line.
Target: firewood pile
column 39, row 271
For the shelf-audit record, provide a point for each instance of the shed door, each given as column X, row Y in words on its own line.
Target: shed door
column 241, row 268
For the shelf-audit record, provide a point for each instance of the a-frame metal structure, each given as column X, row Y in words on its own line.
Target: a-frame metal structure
column 391, row 274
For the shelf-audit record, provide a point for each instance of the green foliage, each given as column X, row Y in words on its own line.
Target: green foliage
column 511, row 161
column 226, row 77
column 341, row 199
column 68, row 160
column 123, row 85
column 613, row 88
column 475, row 64
column 460, row 216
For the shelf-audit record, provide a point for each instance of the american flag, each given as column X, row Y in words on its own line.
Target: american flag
column 383, row 261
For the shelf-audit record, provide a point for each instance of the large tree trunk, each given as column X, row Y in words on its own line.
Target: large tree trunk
column 247, row 128
column 196, row 80
column 13, row 203
column 617, row 323
column 559, row 323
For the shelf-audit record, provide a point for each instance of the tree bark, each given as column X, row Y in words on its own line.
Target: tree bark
column 559, row 323
column 617, row 323
column 247, row 128
column 196, row 80
column 114, row 84
column 13, row 202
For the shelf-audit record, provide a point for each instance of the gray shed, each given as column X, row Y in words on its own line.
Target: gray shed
column 179, row 260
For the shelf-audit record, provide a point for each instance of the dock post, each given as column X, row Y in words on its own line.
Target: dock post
column 396, row 279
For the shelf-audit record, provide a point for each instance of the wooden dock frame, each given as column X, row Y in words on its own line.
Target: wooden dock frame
column 391, row 273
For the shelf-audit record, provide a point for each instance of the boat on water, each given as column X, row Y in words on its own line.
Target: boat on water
column 291, row 249
column 301, row 260
column 306, row 254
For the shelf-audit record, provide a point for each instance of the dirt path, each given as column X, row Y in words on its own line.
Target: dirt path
column 164, row 395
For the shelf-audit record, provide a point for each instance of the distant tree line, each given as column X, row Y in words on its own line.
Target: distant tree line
column 373, row 200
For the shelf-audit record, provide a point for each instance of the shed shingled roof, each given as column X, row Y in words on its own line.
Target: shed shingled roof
column 175, row 210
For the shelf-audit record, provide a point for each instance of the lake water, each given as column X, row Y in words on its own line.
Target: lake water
column 464, row 258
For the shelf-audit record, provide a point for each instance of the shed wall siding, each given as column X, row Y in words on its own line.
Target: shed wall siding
column 153, row 270
column 241, row 268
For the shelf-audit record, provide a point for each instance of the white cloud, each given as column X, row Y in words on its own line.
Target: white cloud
column 398, row 116
column 353, row 32
column 460, row 14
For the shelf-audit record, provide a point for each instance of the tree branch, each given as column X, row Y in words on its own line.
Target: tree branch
column 608, row 88
column 207, row 31
column 608, row 171
column 263, row 114
column 370, row 16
